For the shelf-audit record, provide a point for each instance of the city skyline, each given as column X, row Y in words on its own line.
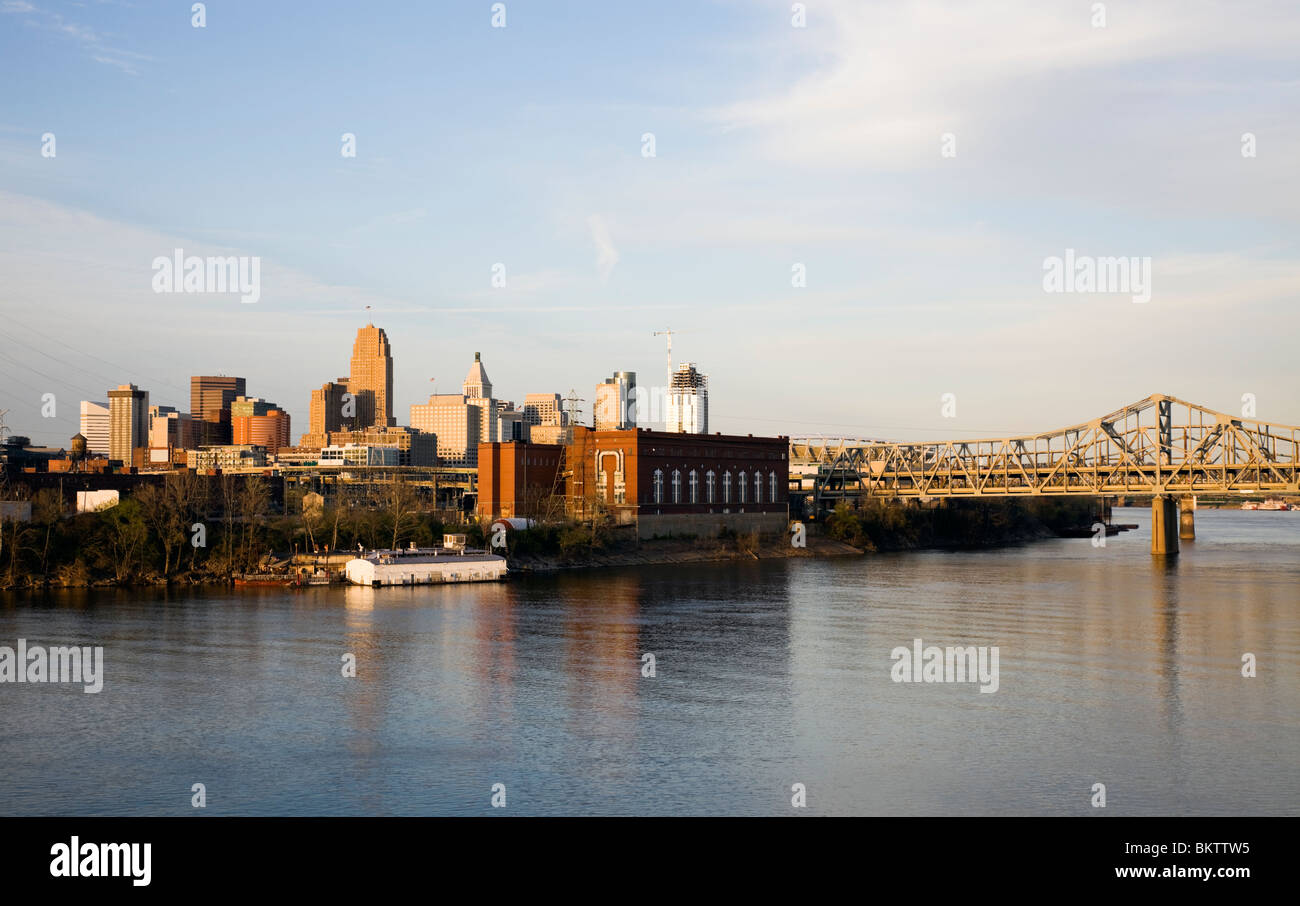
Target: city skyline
column 775, row 148
column 739, row 408
column 1248, row 409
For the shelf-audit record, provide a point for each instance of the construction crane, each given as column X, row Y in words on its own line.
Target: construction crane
column 668, row 332
column 3, row 427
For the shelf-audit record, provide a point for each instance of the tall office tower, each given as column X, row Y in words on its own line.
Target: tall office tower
column 256, row 421
column 210, row 399
column 477, row 386
column 334, row 407
column 94, row 427
column 326, row 412
column 616, row 402
column 544, row 409
column 478, row 390
column 688, row 401
column 458, row 423
column 372, row 370
column 128, row 423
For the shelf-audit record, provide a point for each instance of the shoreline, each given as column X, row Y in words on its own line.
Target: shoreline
column 654, row 552
column 670, row 551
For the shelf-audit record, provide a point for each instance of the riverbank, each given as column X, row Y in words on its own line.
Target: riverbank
column 894, row 525
column 120, row 548
column 664, row 551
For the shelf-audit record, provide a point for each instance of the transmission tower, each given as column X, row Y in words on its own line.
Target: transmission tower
column 571, row 399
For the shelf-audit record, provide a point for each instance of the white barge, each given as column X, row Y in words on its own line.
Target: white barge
column 453, row 562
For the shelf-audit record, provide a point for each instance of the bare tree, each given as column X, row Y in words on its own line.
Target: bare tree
column 400, row 502
column 127, row 533
column 170, row 510
column 47, row 510
column 153, row 506
column 312, row 507
column 254, row 503
column 187, row 495
column 228, row 490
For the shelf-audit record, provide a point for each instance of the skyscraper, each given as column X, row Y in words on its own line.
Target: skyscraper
column 326, row 411
column 477, row 390
column 688, row 401
column 457, row 421
column 544, row 409
column 477, row 386
column 210, row 399
column 128, row 429
column 616, row 402
column 372, row 370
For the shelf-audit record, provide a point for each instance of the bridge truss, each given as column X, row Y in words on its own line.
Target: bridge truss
column 1160, row 446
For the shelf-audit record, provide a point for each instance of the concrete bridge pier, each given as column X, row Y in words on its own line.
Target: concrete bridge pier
column 1187, row 518
column 1164, row 526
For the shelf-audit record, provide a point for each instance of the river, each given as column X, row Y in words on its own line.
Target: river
column 1114, row 668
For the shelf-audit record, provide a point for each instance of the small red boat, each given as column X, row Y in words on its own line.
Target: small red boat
column 280, row 580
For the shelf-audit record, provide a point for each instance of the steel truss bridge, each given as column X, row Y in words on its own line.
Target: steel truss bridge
column 1160, row 446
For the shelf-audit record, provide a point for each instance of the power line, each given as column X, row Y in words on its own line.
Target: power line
column 153, row 381
column 64, row 363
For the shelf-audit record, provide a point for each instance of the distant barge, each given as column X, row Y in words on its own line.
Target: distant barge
column 1271, row 503
column 453, row 562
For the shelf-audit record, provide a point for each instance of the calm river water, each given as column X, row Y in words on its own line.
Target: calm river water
column 1113, row 668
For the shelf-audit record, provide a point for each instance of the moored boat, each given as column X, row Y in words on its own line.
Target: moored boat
column 281, row 580
column 451, row 563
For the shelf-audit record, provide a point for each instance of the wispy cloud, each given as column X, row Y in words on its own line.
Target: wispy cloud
column 102, row 48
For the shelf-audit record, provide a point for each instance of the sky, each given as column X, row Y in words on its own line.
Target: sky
column 917, row 162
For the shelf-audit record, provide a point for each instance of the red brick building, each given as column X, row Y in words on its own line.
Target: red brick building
column 519, row 479
column 680, row 484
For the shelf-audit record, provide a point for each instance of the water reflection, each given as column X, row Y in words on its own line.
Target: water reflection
column 1115, row 667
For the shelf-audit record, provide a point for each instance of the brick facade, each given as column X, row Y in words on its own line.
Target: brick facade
column 519, row 479
column 654, row 478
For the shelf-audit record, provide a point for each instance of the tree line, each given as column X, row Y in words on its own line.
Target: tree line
column 187, row 527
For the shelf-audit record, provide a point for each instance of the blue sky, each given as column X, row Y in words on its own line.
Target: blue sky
column 774, row 145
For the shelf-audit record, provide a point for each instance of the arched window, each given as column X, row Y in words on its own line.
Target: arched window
column 708, row 486
column 744, row 488
column 659, row 485
column 695, row 487
column 758, row 487
column 677, row 486
column 771, row 488
column 726, row 487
